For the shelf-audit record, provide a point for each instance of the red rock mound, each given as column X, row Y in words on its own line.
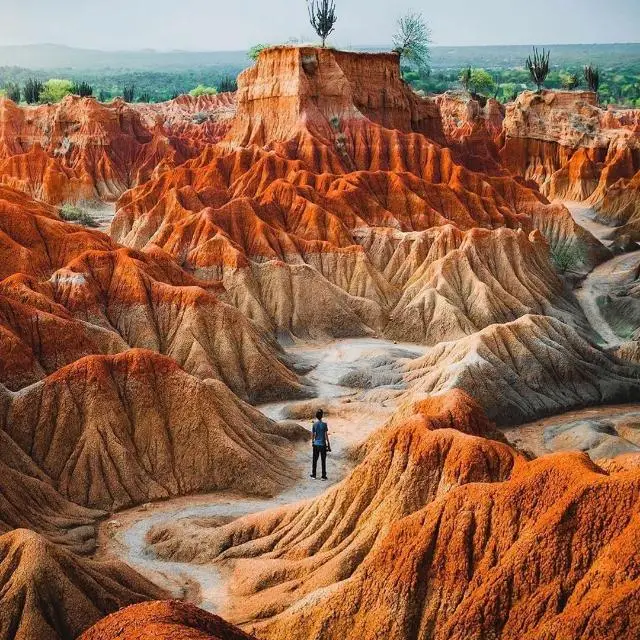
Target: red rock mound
column 34, row 241
column 525, row 369
column 452, row 536
column 168, row 620
column 577, row 151
column 77, row 294
column 205, row 119
column 29, row 501
column 113, row 431
column 550, row 553
column 46, row 592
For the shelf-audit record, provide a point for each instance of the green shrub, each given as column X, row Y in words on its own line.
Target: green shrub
column 567, row 258
column 201, row 90
column 256, row 50
column 481, row 82
column 12, row 91
column 55, row 90
column 129, row 92
column 72, row 213
column 228, row 84
column 82, row 89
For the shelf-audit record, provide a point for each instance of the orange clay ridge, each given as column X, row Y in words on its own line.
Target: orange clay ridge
column 325, row 200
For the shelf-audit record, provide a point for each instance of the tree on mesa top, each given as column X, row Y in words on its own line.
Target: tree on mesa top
column 322, row 15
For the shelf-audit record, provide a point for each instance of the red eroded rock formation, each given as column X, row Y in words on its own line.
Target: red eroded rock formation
column 113, row 431
column 167, row 620
column 327, row 148
column 81, row 149
column 34, row 241
column 473, row 131
column 28, row 500
column 299, row 549
column 77, row 294
column 574, row 150
column 47, row 592
column 437, row 534
column 204, row 119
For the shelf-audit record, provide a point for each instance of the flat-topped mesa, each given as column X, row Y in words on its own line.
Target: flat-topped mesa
column 572, row 148
column 292, row 89
column 570, row 118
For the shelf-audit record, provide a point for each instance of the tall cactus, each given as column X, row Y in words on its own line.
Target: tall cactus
column 538, row 66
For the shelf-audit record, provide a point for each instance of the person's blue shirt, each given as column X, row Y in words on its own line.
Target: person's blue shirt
column 319, row 433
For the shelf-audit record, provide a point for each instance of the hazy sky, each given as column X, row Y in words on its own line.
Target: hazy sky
column 209, row 25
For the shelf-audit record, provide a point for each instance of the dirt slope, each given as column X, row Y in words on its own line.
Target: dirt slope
column 47, row 592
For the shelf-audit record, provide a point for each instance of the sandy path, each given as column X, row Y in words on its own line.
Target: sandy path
column 531, row 436
column 604, row 278
column 585, row 216
column 350, row 422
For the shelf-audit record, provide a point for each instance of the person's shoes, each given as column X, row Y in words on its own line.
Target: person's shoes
column 325, row 478
column 312, row 476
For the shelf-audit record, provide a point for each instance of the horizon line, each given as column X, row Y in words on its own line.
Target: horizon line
column 153, row 50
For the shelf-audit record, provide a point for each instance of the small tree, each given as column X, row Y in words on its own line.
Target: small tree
column 465, row 78
column 412, row 40
column 256, row 50
column 481, row 82
column 201, row 90
column 228, row 84
column 129, row 92
column 322, row 15
column 55, row 89
column 12, row 91
column 570, row 81
column 82, row 89
column 145, row 96
column 567, row 258
column 103, row 96
column 538, row 66
column 32, row 90
column 592, row 78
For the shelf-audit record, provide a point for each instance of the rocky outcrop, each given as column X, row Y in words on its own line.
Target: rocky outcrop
column 295, row 90
column 576, row 151
column 114, row 431
column 167, row 620
column 526, row 369
column 28, row 500
column 82, row 150
column 202, row 120
column 77, row 294
column 47, row 592
column 291, row 209
column 536, row 556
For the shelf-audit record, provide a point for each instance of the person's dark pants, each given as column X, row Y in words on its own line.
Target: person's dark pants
column 319, row 451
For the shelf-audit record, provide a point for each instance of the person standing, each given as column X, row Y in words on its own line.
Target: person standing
column 320, row 443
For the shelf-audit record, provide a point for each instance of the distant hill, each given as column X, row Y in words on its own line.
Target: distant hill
column 57, row 57
column 53, row 56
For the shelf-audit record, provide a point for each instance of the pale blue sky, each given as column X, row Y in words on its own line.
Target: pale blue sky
column 209, row 25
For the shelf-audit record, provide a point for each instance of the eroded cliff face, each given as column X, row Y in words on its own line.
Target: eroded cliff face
column 296, row 89
column 575, row 150
column 82, row 150
column 440, row 532
column 326, row 183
